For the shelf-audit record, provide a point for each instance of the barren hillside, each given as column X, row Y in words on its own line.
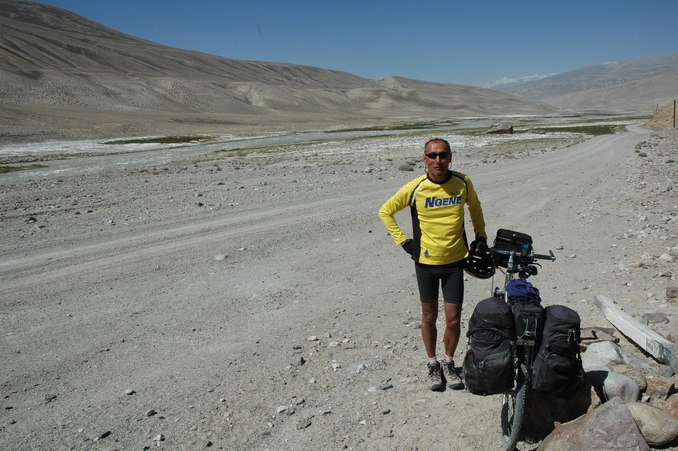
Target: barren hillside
column 64, row 75
column 635, row 85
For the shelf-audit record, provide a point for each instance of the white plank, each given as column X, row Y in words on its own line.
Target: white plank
column 656, row 345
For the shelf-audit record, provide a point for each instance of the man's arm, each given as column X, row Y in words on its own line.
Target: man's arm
column 476, row 212
column 387, row 211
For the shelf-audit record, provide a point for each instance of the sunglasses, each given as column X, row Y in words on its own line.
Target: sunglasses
column 442, row 155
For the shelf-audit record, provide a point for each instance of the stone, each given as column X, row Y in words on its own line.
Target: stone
column 303, row 424
column 663, row 394
column 667, row 258
column 590, row 335
column 498, row 129
column 599, row 355
column 658, row 427
column 297, row 360
column 660, row 387
column 669, row 405
column 634, row 373
column 610, row 426
column 656, row 318
column 609, row 385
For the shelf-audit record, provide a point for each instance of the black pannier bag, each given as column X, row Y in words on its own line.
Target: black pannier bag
column 557, row 368
column 529, row 320
column 508, row 240
column 488, row 365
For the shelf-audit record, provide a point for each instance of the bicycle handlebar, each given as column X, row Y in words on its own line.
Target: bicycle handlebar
column 551, row 256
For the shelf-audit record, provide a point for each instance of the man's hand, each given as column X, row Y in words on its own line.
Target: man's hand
column 408, row 245
column 479, row 245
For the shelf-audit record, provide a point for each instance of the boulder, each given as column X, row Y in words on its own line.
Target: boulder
column 610, row 426
column 660, row 387
column 609, row 385
column 669, row 405
column 663, row 394
column 657, row 426
column 634, row 373
column 599, row 355
column 500, row 129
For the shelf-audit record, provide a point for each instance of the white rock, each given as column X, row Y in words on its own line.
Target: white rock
column 667, row 258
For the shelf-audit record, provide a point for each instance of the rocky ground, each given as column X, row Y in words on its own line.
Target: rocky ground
column 252, row 300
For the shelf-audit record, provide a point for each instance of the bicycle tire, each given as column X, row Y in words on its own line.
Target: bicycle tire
column 512, row 414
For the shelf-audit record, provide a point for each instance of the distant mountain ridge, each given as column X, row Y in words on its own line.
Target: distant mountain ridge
column 62, row 71
column 631, row 85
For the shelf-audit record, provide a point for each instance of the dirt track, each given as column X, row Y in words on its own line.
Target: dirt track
column 201, row 286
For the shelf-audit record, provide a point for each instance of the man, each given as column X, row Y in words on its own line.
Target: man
column 438, row 247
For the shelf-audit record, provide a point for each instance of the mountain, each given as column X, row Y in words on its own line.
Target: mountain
column 638, row 84
column 65, row 75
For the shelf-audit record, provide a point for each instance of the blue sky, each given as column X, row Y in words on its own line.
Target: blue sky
column 473, row 42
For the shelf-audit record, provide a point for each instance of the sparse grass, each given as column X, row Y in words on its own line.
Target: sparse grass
column 161, row 140
column 412, row 126
column 594, row 130
column 471, row 131
column 608, row 118
column 4, row 169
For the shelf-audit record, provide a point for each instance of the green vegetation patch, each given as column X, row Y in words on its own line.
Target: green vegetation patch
column 161, row 140
column 4, row 169
column 594, row 130
column 397, row 127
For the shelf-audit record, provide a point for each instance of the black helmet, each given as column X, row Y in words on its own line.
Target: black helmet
column 479, row 265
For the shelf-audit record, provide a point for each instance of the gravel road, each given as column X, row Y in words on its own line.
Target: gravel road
column 254, row 301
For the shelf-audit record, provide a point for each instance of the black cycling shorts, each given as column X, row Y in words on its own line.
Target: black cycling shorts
column 449, row 277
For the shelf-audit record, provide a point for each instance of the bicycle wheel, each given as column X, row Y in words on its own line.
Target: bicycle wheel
column 512, row 412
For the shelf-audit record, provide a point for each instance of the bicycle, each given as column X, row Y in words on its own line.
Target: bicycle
column 522, row 262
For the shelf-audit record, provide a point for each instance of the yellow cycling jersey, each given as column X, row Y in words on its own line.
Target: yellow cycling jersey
column 437, row 211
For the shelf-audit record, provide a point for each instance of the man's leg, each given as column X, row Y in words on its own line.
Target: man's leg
column 429, row 334
column 452, row 327
column 451, row 340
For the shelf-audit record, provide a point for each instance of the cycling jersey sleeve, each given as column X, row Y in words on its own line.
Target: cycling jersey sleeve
column 475, row 210
column 399, row 201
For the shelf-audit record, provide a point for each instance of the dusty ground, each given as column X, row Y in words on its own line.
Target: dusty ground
column 252, row 300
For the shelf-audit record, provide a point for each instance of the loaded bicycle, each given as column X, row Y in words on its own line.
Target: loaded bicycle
column 516, row 346
column 513, row 251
